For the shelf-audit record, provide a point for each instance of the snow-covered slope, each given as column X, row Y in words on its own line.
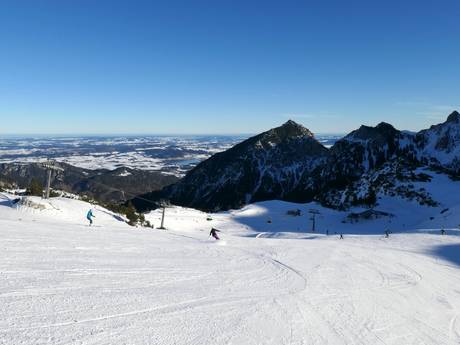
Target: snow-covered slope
column 62, row 282
column 56, row 210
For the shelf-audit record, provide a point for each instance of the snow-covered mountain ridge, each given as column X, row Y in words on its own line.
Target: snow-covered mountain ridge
column 440, row 144
column 288, row 163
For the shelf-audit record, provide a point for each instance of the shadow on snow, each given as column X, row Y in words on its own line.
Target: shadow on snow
column 448, row 252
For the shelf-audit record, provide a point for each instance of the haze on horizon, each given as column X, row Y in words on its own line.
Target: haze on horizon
column 202, row 67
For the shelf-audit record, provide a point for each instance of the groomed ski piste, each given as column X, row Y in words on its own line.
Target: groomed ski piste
column 269, row 280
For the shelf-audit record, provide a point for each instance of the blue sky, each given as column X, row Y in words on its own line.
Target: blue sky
column 88, row 66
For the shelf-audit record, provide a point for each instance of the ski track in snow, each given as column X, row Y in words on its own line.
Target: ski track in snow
column 61, row 283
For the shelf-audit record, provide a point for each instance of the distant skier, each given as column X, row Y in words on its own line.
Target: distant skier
column 387, row 233
column 341, row 236
column 443, row 232
column 213, row 233
column 90, row 216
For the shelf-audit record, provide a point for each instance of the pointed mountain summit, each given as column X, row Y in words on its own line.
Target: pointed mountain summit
column 278, row 163
column 291, row 129
column 454, row 117
column 289, row 138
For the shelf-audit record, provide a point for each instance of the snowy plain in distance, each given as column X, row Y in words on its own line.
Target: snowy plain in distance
column 169, row 154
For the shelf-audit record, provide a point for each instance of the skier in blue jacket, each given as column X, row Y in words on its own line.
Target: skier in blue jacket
column 90, row 217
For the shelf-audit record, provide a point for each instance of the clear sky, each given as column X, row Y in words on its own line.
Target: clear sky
column 90, row 66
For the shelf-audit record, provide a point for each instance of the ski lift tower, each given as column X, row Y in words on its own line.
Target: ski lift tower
column 163, row 205
column 50, row 166
column 313, row 213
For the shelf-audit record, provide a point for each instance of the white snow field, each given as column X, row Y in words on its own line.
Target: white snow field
column 62, row 282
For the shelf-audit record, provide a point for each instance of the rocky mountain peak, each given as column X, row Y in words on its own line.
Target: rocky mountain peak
column 382, row 131
column 281, row 162
column 291, row 129
column 454, row 117
column 384, row 127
